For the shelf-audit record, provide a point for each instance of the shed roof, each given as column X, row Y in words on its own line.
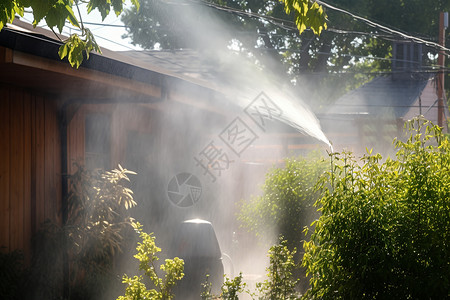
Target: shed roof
column 29, row 57
column 22, row 36
column 183, row 62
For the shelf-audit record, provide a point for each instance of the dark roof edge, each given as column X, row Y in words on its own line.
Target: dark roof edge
column 109, row 62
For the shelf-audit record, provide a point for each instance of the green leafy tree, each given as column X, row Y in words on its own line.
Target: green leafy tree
column 56, row 13
column 147, row 255
column 204, row 26
column 346, row 55
column 411, row 17
column 385, row 225
column 171, row 25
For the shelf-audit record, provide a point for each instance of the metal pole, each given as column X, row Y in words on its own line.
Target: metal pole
column 441, row 61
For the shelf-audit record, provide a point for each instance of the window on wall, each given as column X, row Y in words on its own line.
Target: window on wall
column 98, row 140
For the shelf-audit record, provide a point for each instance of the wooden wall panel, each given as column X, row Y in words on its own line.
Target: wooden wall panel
column 17, row 170
column 53, row 161
column 79, row 136
column 70, row 141
column 57, row 166
column 75, row 136
column 27, row 152
column 49, row 176
column 30, row 166
column 4, row 167
column 33, row 165
column 39, row 146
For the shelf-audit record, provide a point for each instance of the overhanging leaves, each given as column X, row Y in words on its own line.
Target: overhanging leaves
column 307, row 14
column 56, row 13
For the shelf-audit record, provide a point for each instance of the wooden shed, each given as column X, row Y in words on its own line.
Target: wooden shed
column 52, row 115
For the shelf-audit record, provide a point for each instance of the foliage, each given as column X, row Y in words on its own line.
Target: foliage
column 90, row 239
column 97, row 202
column 170, row 25
column 96, row 225
column 147, row 256
column 287, row 201
column 307, row 14
column 281, row 280
column 206, row 293
column 385, row 226
column 231, row 288
column 346, row 55
column 56, row 13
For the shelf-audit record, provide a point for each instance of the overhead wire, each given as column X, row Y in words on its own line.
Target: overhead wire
column 385, row 28
column 291, row 25
column 101, row 37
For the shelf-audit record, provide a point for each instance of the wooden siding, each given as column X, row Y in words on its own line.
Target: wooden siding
column 124, row 118
column 30, row 166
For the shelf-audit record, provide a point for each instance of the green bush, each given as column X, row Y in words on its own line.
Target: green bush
column 96, row 227
column 280, row 283
column 286, row 205
column 147, row 256
column 230, row 290
column 384, row 232
column 287, row 201
column 281, row 280
column 83, row 249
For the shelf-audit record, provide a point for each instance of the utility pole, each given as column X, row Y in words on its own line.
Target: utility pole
column 443, row 24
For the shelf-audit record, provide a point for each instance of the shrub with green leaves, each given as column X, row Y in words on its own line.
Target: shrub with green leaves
column 147, row 255
column 281, row 280
column 96, row 227
column 384, row 232
column 287, row 201
column 230, row 290
column 89, row 242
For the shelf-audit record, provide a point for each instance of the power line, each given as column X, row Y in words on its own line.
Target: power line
column 371, row 73
column 289, row 25
column 276, row 21
column 101, row 37
column 289, row 28
column 385, row 28
column 103, row 25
